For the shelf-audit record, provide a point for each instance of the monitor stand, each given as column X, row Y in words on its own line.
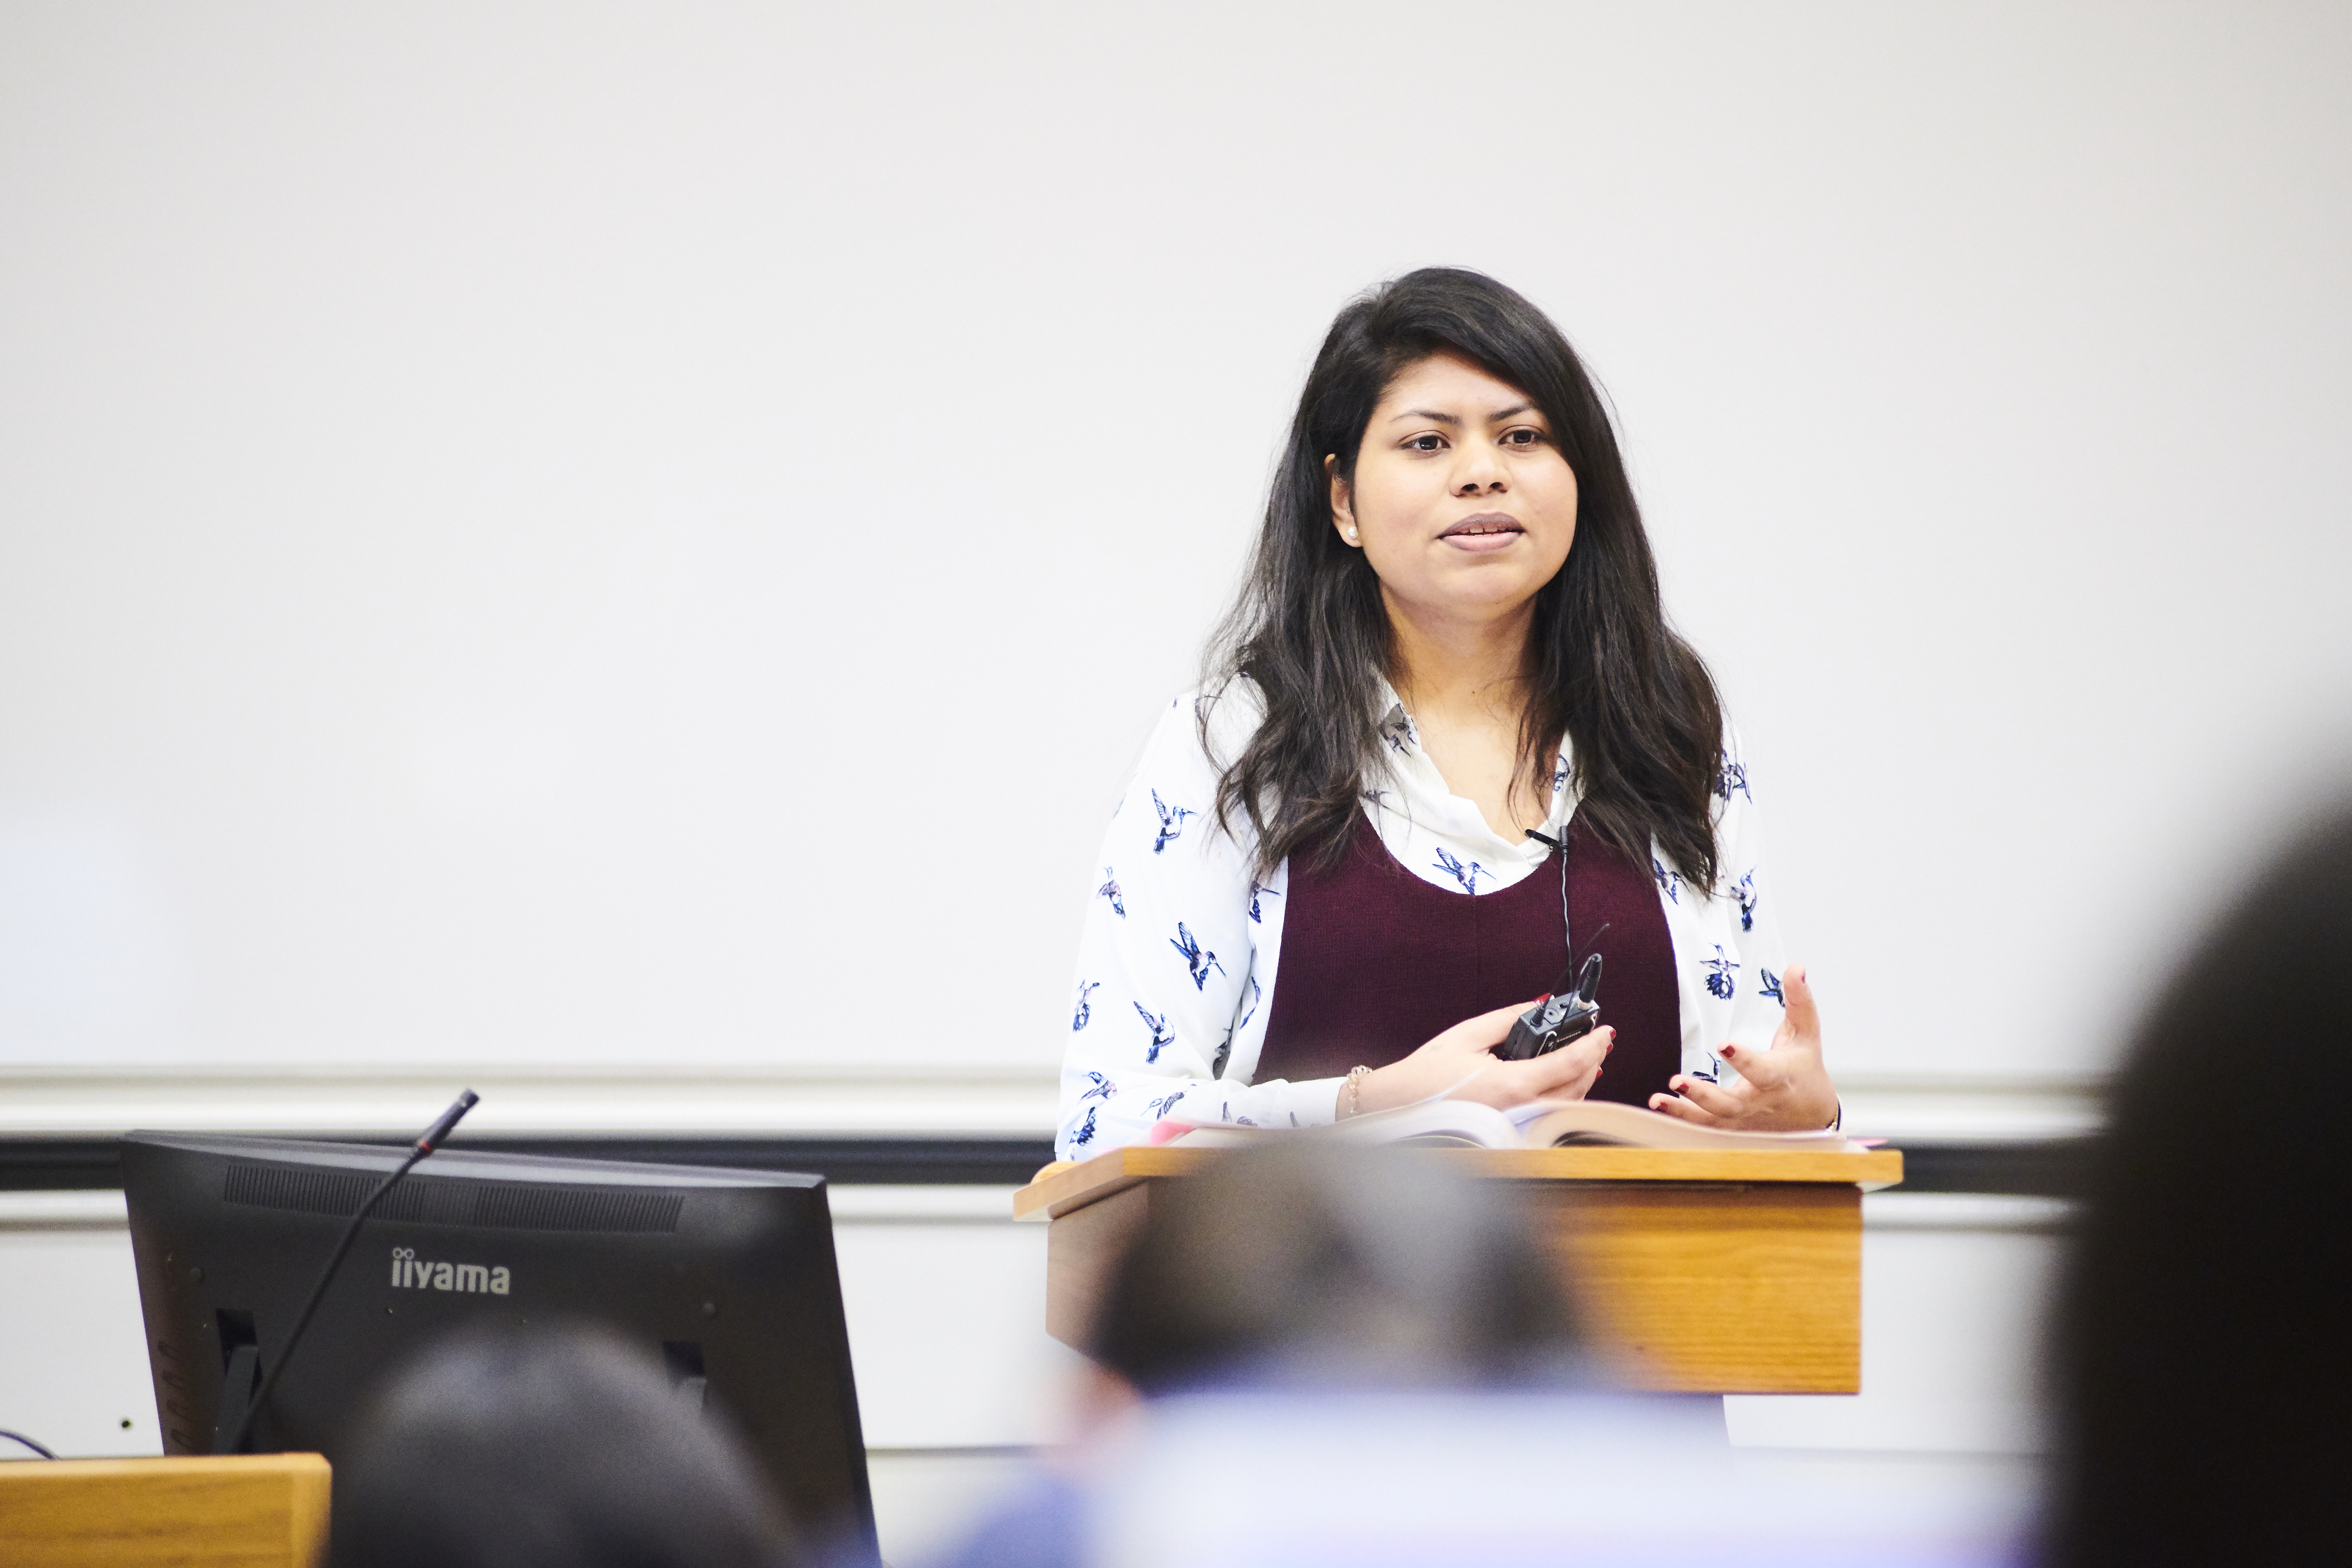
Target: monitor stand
column 237, row 1394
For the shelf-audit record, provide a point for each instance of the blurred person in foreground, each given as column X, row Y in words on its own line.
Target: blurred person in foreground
column 2201, row 1351
column 1304, row 1267
column 1310, row 1264
column 1361, row 1355
column 559, row 1449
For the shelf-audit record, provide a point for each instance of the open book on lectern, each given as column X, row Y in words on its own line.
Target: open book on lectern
column 1540, row 1124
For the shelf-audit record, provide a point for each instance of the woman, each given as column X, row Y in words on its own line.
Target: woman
column 1446, row 745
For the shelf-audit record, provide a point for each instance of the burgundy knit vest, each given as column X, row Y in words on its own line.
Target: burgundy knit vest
column 1375, row 961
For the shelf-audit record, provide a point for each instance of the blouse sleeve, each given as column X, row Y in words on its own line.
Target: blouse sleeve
column 1167, row 965
column 1750, row 909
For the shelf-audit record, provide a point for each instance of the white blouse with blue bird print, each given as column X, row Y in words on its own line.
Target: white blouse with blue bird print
column 1182, row 948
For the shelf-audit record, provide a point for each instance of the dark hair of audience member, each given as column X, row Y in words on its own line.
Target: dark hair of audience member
column 2201, row 1351
column 1335, row 1265
column 562, row 1449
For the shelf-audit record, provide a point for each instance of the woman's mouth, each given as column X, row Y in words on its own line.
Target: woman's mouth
column 1483, row 532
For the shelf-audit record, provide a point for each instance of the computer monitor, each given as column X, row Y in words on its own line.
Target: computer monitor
column 728, row 1276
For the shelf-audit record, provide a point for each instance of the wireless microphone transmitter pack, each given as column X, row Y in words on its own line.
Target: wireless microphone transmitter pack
column 1556, row 1020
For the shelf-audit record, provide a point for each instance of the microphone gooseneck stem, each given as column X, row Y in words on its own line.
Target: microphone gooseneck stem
column 432, row 1136
column 233, row 1442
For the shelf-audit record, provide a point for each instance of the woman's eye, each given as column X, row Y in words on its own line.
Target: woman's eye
column 1522, row 437
column 1425, row 443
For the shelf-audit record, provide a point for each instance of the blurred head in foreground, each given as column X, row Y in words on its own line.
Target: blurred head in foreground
column 562, row 1449
column 1370, row 1362
column 2202, row 1350
column 1315, row 1262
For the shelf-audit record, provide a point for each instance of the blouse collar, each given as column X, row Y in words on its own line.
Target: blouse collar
column 1424, row 797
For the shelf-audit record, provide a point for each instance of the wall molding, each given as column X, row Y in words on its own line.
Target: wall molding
column 2054, row 1168
column 799, row 1101
column 103, row 1210
column 971, row 1127
column 992, row 1205
column 1925, row 1108
column 94, row 1162
column 533, row 1102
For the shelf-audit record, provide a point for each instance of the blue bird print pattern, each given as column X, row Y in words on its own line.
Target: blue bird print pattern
column 1097, row 1088
column 1467, row 875
column 1159, row 1108
column 1171, row 822
column 1719, row 983
column 1086, row 1133
column 1161, row 1036
column 1424, row 833
column 1196, row 957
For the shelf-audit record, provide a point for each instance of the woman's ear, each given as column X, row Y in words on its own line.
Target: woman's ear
column 1343, row 507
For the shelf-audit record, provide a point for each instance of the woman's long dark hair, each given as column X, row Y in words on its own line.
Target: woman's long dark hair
column 1637, row 705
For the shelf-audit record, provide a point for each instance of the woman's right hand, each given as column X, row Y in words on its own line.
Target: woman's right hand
column 1465, row 1052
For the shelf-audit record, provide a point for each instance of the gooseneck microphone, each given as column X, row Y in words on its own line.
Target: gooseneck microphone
column 235, row 1426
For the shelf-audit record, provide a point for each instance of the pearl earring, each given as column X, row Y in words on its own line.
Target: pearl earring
column 1351, row 536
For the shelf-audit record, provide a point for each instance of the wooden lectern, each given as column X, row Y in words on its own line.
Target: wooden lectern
column 246, row 1511
column 1700, row 1271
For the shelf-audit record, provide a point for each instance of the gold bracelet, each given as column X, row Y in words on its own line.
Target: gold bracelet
column 1355, row 1077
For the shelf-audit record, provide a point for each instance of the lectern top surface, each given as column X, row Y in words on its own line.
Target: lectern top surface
column 1059, row 1188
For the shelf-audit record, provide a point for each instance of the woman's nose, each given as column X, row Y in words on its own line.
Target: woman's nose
column 1476, row 472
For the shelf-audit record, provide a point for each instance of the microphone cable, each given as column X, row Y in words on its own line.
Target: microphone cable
column 1559, row 852
column 232, row 1441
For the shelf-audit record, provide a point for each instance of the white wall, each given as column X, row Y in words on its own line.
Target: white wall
column 568, row 532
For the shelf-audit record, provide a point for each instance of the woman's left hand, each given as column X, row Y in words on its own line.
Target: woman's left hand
column 1784, row 1089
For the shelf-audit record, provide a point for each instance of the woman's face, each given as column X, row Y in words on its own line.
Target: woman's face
column 1461, row 499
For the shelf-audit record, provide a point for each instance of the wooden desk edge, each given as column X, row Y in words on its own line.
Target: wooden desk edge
column 1061, row 1187
column 170, row 1464
column 259, row 1508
